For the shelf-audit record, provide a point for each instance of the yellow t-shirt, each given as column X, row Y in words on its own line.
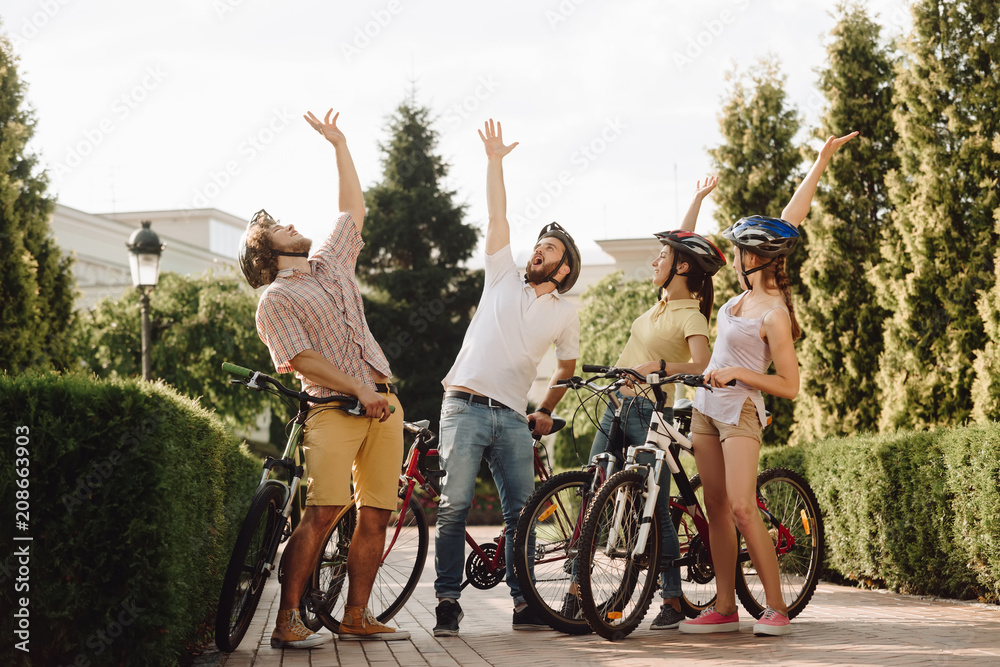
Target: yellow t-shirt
column 661, row 333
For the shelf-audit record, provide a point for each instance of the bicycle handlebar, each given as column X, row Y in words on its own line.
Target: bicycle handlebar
column 655, row 379
column 349, row 404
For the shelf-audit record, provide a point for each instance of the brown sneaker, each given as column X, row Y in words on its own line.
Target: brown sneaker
column 291, row 633
column 358, row 624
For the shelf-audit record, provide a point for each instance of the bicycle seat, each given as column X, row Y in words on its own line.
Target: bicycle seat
column 682, row 407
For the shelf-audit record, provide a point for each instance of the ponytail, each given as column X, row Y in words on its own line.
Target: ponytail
column 780, row 278
column 699, row 284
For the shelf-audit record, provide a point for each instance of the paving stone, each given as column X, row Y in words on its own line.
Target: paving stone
column 841, row 626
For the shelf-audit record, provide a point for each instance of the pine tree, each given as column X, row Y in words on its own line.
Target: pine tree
column 419, row 299
column 938, row 252
column 843, row 322
column 757, row 165
column 37, row 287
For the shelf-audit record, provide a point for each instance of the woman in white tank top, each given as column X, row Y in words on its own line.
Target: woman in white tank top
column 756, row 328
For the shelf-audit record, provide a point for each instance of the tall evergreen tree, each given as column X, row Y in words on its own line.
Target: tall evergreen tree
column 938, row 253
column 419, row 299
column 842, row 319
column 758, row 168
column 37, row 287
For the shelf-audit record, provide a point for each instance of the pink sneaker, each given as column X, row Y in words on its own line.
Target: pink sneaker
column 711, row 621
column 772, row 623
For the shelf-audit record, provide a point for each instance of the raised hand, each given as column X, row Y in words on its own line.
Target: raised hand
column 328, row 128
column 701, row 190
column 834, row 143
column 493, row 140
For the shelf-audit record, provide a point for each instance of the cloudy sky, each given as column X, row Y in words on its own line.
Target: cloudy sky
column 198, row 103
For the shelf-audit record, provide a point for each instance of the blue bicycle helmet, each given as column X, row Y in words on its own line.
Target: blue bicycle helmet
column 764, row 236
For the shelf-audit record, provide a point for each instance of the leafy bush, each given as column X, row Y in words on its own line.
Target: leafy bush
column 918, row 512
column 136, row 494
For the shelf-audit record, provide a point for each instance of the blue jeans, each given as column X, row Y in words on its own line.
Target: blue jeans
column 635, row 416
column 470, row 431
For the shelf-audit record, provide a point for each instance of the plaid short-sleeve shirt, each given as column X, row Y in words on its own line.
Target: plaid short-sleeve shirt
column 322, row 311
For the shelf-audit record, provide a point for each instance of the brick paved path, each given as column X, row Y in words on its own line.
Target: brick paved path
column 841, row 626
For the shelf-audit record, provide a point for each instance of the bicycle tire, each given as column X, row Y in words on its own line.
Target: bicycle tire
column 246, row 575
column 793, row 504
column 397, row 576
column 616, row 588
column 555, row 511
column 697, row 578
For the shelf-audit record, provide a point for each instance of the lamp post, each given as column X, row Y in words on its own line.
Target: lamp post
column 144, row 250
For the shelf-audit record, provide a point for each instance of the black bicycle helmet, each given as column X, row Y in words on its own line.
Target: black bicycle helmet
column 571, row 255
column 250, row 264
column 705, row 254
column 767, row 237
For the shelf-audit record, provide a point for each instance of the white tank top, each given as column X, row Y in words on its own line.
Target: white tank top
column 738, row 344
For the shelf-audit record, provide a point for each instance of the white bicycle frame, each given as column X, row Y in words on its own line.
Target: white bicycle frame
column 660, row 436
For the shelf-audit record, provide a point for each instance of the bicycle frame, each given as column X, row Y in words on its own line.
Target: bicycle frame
column 412, row 477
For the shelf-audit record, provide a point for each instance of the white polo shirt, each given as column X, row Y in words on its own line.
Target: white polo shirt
column 510, row 332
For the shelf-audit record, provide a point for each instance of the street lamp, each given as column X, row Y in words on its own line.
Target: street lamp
column 144, row 249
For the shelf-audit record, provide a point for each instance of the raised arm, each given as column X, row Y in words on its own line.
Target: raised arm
column 498, row 228
column 700, row 192
column 798, row 206
column 352, row 200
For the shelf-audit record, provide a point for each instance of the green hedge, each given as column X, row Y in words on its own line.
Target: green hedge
column 136, row 494
column 917, row 512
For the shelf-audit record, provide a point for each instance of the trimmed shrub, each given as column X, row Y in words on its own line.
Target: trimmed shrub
column 917, row 512
column 136, row 494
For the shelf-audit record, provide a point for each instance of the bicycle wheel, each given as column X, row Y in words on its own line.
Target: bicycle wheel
column 246, row 573
column 792, row 507
column 398, row 574
column 327, row 589
column 698, row 576
column 545, row 546
column 615, row 586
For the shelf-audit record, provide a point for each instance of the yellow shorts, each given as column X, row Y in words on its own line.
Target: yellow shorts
column 338, row 446
column 749, row 426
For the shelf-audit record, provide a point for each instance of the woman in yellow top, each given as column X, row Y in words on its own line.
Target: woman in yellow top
column 670, row 337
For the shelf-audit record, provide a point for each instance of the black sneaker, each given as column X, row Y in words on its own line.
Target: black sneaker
column 527, row 619
column 668, row 619
column 449, row 613
column 570, row 607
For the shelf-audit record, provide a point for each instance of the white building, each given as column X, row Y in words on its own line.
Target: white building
column 196, row 240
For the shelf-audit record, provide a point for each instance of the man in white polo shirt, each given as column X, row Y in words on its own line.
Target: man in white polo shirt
column 483, row 413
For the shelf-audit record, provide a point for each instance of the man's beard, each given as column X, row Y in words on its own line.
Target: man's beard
column 300, row 245
column 537, row 273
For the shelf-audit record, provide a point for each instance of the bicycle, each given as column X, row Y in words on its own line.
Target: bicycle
column 407, row 540
column 620, row 547
column 268, row 522
column 549, row 527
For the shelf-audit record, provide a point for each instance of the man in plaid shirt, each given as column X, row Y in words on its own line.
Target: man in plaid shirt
column 312, row 320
